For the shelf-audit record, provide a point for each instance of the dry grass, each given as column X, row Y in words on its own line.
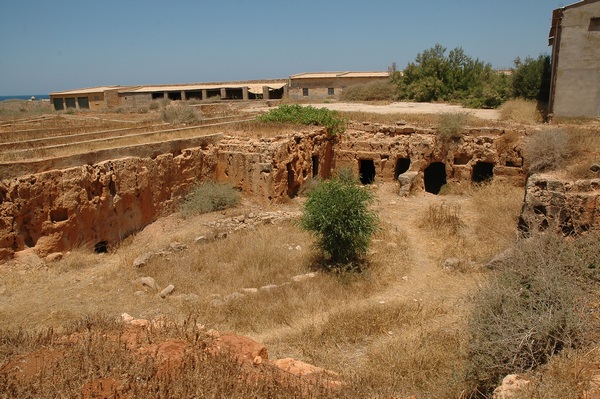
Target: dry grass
column 520, row 111
column 443, row 219
column 484, row 227
column 252, row 259
column 383, row 343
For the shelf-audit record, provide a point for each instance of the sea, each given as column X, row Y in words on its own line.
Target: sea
column 25, row 97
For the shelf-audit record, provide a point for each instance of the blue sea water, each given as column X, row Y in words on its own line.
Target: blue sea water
column 25, row 97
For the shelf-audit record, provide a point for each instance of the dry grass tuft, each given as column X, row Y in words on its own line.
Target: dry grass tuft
column 548, row 150
column 497, row 205
column 443, row 218
column 520, row 111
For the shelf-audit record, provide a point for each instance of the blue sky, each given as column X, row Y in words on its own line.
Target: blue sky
column 61, row 44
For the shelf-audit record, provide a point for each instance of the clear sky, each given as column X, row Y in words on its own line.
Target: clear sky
column 52, row 45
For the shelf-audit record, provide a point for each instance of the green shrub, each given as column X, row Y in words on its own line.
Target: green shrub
column 305, row 116
column 531, row 78
column 337, row 213
column 379, row 90
column 435, row 76
column 530, row 309
column 209, row 197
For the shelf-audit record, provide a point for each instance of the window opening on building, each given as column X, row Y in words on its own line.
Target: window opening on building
column 83, row 102
column 305, row 91
column 58, row 104
column 594, row 24
column 331, row 91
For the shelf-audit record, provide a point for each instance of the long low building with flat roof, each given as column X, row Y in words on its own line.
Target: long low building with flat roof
column 102, row 97
column 312, row 86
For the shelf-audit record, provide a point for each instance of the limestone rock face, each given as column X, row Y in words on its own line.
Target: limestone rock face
column 98, row 204
column 397, row 150
column 82, row 206
column 560, row 204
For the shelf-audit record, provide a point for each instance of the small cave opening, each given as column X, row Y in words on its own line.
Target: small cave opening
column 402, row 166
column 435, row 177
column 101, row 247
column 366, row 170
column 293, row 186
column 461, row 159
column 59, row 215
column 482, row 172
column 315, row 165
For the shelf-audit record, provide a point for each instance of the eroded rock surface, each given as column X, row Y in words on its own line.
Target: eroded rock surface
column 559, row 204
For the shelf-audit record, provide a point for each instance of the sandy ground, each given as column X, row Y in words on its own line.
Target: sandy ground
column 410, row 108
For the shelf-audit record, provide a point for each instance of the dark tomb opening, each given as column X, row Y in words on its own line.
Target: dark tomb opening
column 292, row 184
column 367, row 171
column 435, row 177
column 482, row 171
column 101, row 247
column 315, row 165
column 402, row 165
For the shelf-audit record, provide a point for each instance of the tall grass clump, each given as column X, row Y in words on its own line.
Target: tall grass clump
column 443, row 218
column 209, row 197
column 337, row 213
column 451, row 124
column 305, row 116
column 180, row 114
column 547, row 150
column 532, row 308
column 379, row 90
column 520, row 110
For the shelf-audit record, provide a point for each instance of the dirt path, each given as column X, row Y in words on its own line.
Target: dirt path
column 411, row 108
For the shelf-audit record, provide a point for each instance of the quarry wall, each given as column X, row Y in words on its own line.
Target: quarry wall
column 96, row 205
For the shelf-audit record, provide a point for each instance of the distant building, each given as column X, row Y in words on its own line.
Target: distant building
column 95, row 98
column 323, row 85
column 575, row 40
column 311, row 86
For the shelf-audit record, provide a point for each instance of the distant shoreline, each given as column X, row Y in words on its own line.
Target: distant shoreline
column 25, row 97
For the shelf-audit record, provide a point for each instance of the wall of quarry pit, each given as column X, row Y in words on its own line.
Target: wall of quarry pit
column 97, row 205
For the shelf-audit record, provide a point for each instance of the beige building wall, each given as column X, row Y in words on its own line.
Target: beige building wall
column 322, row 88
column 577, row 87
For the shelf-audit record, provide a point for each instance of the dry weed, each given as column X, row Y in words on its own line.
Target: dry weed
column 520, row 111
column 548, row 150
column 443, row 219
column 497, row 205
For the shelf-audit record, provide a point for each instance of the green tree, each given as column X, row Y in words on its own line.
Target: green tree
column 435, row 76
column 531, row 78
column 337, row 213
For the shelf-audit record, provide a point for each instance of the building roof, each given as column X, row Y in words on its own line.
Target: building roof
column 579, row 3
column 347, row 74
column 252, row 87
column 557, row 16
column 97, row 89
